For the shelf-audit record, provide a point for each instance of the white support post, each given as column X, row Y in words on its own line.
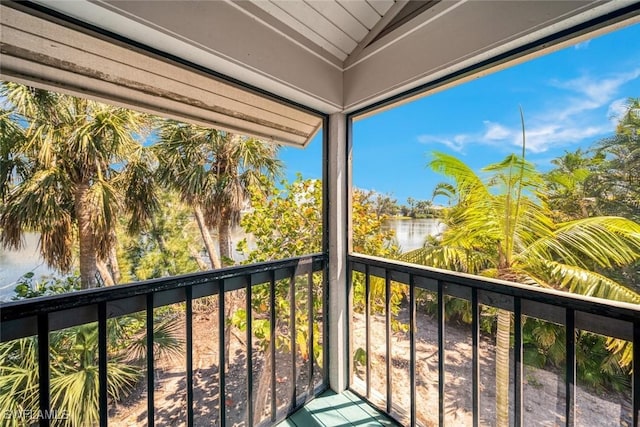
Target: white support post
column 338, row 248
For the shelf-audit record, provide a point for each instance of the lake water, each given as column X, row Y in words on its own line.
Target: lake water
column 410, row 234
column 14, row 264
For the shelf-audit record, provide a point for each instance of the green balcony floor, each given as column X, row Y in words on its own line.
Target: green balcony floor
column 337, row 410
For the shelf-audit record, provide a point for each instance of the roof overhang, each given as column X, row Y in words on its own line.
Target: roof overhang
column 68, row 59
column 172, row 57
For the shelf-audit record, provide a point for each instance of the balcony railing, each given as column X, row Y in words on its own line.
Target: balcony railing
column 298, row 285
column 374, row 284
column 381, row 348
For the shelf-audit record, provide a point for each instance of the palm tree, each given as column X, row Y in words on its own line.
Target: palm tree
column 213, row 171
column 500, row 227
column 617, row 180
column 241, row 163
column 66, row 172
column 568, row 184
column 74, row 370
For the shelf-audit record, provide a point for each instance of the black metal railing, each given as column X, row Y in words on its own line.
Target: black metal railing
column 572, row 312
column 40, row 316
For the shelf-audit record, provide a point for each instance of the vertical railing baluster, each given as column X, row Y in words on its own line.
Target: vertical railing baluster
column 475, row 364
column 102, row 363
column 412, row 349
column 43, row 368
column 367, row 326
column 310, row 334
column 570, row 374
column 189, row 356
column 292, row 326
column 517, row 360
column 441, row 377
column 387, row 292
column 221, row 356
column 150, row 368
column 635, row 396
column 249, row 352
column 272, row 346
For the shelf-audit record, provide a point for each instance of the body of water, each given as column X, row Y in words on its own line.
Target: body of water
column 14, row 264
column 410, row 234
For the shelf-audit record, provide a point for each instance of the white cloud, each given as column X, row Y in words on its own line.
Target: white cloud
column 582, row 45
column 616, row 110
column 582, row 108
column 455, row 143
column 540, row 139
column 598, row 90
column 495, row 132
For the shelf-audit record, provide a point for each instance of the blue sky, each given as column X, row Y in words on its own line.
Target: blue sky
column 571, row 98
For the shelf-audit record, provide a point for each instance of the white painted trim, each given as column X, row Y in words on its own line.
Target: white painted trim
column 377, row 29
column 399, row 33
column 338, row 310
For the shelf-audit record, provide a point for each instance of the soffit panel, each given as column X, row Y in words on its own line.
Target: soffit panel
column 45, row 54
column 362, row 11
column 381, row 6
column 243, row 40
column 336, row 26
column 453, row 35
column 337, row 14
column 223, row 37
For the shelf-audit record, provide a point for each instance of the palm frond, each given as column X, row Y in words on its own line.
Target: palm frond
column 467, row 182
column 585, row 282
column 166, row 340
column 606, row 241
column 465, row 260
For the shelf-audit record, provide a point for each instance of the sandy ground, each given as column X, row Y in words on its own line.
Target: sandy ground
column 543, row 390
column 170, row 394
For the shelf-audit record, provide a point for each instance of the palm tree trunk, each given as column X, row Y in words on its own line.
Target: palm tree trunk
column 105, row 273
column 88, row 265
column 162, row 245
column 196, row 256
column 236, row 298
column 113, row 260
column 265, row 382
column 224, row 239
column 206, row 237
column 503, row 345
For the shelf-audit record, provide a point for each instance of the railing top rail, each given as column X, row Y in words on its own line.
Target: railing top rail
column 588, row 304
column 47, row 304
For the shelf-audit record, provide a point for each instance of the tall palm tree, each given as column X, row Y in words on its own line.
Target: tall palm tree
column 67, row 173
column 617, row 180
column 500, row 227
column 213, row 171
column 568, row 184
column 241, row 163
